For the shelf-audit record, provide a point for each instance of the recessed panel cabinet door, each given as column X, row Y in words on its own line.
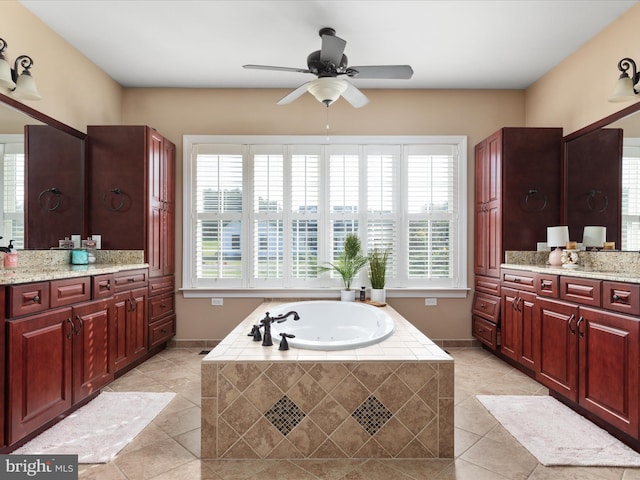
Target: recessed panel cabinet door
column 609, row 362
column 39, row 357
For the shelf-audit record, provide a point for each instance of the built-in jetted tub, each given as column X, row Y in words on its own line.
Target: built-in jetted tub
column 332, row 325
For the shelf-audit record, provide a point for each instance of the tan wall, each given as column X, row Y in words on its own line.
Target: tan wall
column 575, row 93
column 74, row 90
column 176, row 112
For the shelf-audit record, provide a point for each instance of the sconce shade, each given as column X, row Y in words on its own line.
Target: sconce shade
column 557, row 236
column 594, row 236
column 26, row 87
column 623, row 91
column 5, row 74
column 327, row 89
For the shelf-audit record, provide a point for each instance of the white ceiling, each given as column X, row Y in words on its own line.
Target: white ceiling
column 473, row 44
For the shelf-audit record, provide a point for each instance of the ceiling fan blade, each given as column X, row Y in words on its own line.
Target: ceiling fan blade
column 280, row 69
column 354, row 96
column 332, row 49
column 381, row 71
column 297, row 93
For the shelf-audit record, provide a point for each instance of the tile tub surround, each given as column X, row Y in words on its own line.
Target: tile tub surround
column 389, row 400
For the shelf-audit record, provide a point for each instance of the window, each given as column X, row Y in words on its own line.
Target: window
column 631, row 194
column 12, row 171
column 265, row 212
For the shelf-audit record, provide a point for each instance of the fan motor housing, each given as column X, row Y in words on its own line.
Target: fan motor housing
column 325, row 69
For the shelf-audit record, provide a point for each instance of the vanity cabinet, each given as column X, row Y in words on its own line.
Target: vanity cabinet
column 590, row 355
column 130, row 323
column 515, row 197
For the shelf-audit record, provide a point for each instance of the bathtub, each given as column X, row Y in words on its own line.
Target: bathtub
column 332, row 325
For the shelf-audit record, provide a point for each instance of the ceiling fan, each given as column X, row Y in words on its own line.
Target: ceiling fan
column 329, row 64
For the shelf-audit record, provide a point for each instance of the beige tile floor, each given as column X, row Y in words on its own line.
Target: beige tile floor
column 169, row 447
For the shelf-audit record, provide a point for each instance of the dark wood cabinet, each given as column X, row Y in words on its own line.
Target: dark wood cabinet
column 92, row 347
column 517, row 326
column 130, row 327
column 40, row 365
column 591, row 357
column 132, row 193
column 515, row 196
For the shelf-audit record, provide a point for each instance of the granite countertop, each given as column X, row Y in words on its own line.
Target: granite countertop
column 56, row 272
column 44, row 265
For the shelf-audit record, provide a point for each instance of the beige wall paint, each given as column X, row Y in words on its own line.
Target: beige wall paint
column 178, row 112
column 74, row 90
column 575, row 93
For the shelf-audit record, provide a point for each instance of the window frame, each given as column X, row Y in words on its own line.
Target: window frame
column 191, row 290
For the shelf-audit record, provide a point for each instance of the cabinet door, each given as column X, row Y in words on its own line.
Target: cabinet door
column 609, row 362
column 493, row 181
column 555, row 333
column 510, row 318
column 168, row 183
column 527, row 351
column 129, row 329
column 39, row 359
column 91, row 347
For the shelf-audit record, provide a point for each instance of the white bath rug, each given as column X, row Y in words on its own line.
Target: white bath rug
column 97, row 431
column 555, row 434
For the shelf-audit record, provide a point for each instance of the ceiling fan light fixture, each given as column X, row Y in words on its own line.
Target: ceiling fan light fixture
column 327, row 89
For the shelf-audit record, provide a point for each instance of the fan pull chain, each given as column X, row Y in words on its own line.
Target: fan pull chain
column 327, row 123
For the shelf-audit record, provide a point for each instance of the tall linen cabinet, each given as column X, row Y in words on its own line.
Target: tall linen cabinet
column 517, row 195
column 132, row 207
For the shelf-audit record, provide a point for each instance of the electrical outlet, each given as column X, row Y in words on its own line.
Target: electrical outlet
column 431, row 302
column 216, row 302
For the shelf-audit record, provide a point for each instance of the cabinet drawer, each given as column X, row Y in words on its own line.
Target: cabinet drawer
column 28, row 298
column 547, row 285
column 162, row 331
column 102, row 285
column 621, row 297
column 581, row 290
column 160, row 306
column 70, row 291
column 160, row 285
column 490, row 285
column 130, row 279
column 485, row 331
column 486, row 306
column 519, row 280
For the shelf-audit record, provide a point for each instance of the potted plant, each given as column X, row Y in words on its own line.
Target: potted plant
column 348, row 264
column 377, row 273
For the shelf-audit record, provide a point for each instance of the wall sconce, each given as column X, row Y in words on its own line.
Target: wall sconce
column 22, row 84
column 626, row 86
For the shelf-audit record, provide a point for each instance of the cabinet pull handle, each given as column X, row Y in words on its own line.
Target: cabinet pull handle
column 481, row 330
column 108, row 285
column 580, row 331
column 81, row 323
column 163, row 330
column 36, row 299
column 71, row 328
column 571, row 319
column 164, row 305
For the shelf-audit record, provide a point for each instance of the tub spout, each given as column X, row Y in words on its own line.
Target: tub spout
column 266, row 323
column 282, row 318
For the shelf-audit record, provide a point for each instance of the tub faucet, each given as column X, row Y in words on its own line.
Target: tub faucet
column 266, row 323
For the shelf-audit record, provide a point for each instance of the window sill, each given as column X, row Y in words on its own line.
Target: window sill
column 317, row 292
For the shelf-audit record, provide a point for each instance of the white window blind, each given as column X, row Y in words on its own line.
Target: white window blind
column 267, row 211
column 12, row 214
column 631, row 194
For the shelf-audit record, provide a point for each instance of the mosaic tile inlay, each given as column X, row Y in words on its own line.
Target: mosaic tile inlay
column 372, row 415
column 284, row 415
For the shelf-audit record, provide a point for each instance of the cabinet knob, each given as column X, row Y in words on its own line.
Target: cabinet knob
column 36, row 299
column 481, row 330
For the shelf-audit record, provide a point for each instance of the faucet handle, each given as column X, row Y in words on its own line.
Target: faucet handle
column 284, row 345
column 255, row 333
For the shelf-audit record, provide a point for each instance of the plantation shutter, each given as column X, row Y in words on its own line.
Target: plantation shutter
column 631, row 194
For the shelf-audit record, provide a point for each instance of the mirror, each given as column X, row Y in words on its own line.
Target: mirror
column 42, row 178
column 601, row 178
